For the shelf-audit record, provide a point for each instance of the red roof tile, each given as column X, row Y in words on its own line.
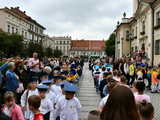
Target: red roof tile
column 88, row 45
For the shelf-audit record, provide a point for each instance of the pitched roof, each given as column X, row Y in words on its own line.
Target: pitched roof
column 88, row 45
column 148, row 1
column 22, row 14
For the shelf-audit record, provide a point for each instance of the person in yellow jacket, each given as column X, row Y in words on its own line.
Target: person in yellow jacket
column 131, row 73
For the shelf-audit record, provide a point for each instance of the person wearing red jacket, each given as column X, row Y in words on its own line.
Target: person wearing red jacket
column 34, row 104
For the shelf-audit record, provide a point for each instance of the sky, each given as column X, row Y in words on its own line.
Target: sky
column 80, row 19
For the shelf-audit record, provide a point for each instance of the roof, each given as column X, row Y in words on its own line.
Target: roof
column 88, row 45
column 22, row 14
column 148, row 1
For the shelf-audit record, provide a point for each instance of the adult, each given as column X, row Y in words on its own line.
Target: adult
column 34, row 66
column 12, row 80
column 120, row 105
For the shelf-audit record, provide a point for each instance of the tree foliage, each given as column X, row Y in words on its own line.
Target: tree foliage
column 110, row 45
column 10, row 44
column 14, row 45
column 49, row 52
column 34, row 47
column 57, row 53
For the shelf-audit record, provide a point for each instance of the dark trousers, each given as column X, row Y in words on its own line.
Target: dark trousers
column 132, row 79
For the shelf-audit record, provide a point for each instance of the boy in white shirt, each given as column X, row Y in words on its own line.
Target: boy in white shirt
column 69, row 106
column 46, row 105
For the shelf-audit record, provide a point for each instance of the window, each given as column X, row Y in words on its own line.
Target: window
column 143, row 26
column 22, row 33
column 12, row 30
column 25, row 34
column 136, row 31
column 158, row 18
column 127, row 35
column 16, row 30
column 8, row 28
column 157, row 47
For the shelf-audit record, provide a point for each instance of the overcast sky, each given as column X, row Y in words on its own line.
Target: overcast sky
column 81, row 19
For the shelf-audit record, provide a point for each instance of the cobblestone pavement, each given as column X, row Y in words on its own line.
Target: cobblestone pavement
column 155, row 99
column 90, row 99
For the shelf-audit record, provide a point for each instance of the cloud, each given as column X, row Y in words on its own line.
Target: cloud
column 82, row 19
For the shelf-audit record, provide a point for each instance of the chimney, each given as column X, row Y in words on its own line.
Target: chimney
column 24, row 12
column 17, row 7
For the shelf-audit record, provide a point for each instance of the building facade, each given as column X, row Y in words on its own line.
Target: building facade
column 87, row 48
column 63, row 44
column 48, row 42
column 15, row 21
column 142, row 31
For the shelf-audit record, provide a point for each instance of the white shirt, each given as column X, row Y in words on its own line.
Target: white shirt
column 24, row 102
column 33, row 61
column 69, row 109
column 56, row 89
column 51, row 95
column 46, row 106
column 103, row 102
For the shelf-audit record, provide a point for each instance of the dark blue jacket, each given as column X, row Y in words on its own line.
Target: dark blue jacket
column 3, row 67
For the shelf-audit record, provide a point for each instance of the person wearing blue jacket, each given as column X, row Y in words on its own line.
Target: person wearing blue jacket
column 3, row 67
column 12, row 82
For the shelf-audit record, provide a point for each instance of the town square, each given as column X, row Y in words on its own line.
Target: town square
column 80, row 60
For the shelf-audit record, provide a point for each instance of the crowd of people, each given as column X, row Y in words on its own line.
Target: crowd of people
column 40, row 89
column 45, row 89
column 122, row 85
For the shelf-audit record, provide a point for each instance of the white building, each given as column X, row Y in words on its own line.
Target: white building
column 15, row 21
column 48, row 42
column 140, row 32
column 63, row 44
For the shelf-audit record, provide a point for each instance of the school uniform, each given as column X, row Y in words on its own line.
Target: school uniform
column 56, row 89
column 46, row 105
column 24, row 102
column 52, row 97
column 69, row 109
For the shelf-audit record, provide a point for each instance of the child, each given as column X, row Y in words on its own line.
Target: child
column 24, row 98
column 140, row 96
column 34, row 102
column 69, row 106
column 46, row 105
column 11, row 109
column 51, row 96
column 94, row 115
column 154, row 81
column 146, row 110
column 111, row 84
column 56, row 87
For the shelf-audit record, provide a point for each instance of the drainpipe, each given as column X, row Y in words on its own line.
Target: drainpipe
column 153, row 52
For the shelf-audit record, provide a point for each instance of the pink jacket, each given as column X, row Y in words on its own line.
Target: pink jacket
column 16, row 113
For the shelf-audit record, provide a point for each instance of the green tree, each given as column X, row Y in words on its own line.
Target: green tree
column 10, row 44
column 49, row 52
column 35, row 47
column 57, row 53
column 110, row 45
